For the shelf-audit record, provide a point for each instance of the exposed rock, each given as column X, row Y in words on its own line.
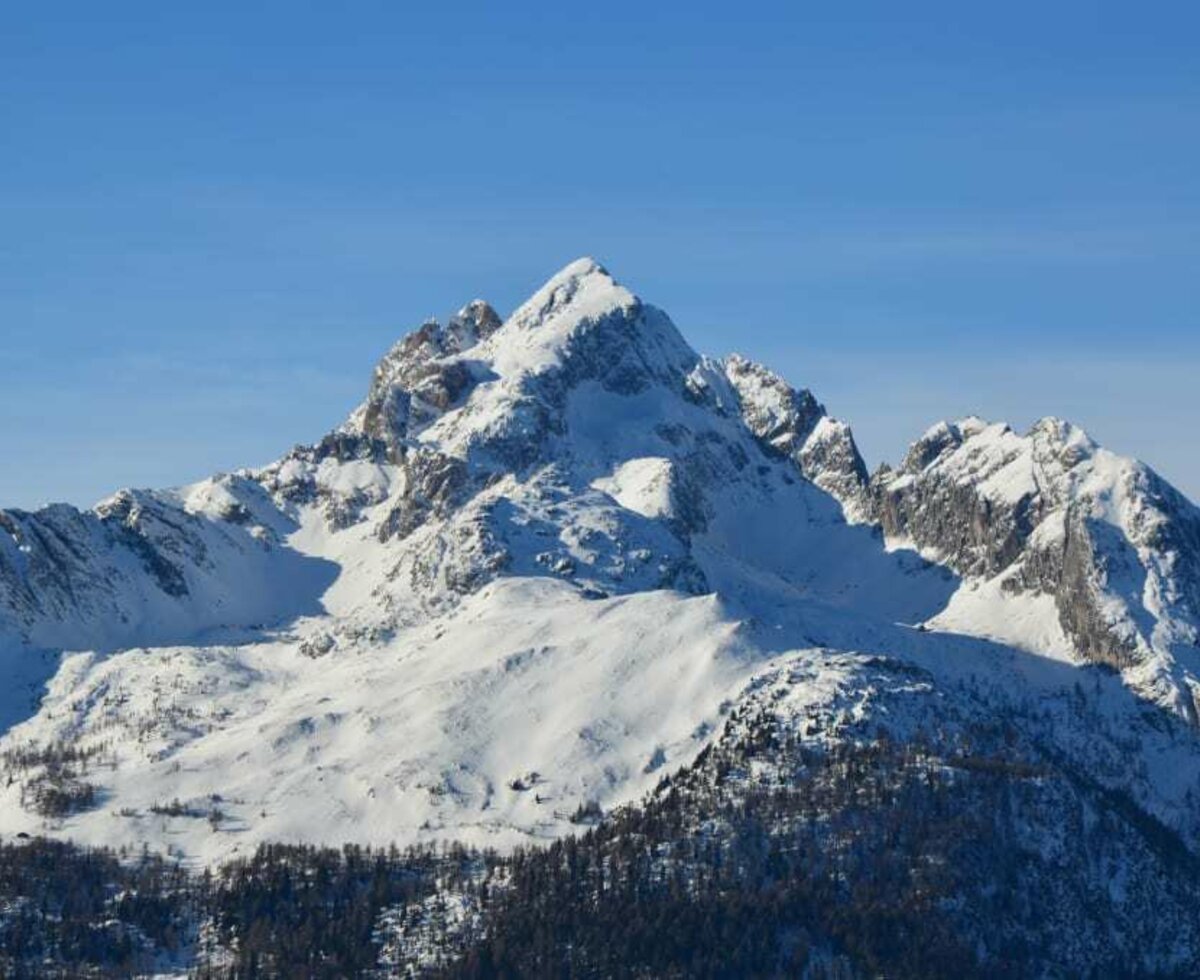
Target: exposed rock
column 433, row 485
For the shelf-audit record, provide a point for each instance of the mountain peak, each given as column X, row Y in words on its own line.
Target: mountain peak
column 574, row 274
column 585, row 265
column 582, row 289
column 582, row 321
column 580, row 324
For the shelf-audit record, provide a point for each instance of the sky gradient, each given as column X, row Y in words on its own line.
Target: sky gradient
column 213, row 221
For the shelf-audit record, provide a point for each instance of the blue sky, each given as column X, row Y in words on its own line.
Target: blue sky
column 213, row 220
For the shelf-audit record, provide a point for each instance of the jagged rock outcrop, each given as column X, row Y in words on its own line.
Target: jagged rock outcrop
column 422, row 376
column 779, row 415
column 791, row 422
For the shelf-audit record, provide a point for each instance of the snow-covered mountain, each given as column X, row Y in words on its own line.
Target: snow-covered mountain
column 1050, row 513
column 543, row 565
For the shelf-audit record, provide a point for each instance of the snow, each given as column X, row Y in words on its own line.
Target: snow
column 641, row 485
column 1027, row 621
column 826, row 429
column 938, row 431
column 996, row 460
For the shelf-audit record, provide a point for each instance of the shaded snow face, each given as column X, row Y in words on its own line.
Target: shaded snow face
column 551, row 552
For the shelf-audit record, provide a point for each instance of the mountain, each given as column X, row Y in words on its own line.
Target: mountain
column 559, row 568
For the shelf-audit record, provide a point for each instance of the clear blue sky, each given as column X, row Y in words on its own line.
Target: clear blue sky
column 214, row 217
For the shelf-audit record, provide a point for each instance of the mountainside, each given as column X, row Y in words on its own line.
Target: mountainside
column 559, row 563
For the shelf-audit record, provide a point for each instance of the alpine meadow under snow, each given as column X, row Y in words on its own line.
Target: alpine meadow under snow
column 558, row 569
